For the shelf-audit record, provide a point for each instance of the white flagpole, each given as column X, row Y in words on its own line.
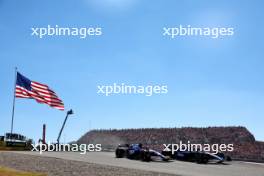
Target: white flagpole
column 14, row 102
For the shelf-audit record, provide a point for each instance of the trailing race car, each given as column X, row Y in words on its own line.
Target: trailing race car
column 197, row 156
column 137, row 152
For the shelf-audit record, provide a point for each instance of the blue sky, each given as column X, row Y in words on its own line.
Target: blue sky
column 211, row 82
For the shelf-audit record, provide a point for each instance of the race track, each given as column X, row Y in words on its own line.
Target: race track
column 234, row 168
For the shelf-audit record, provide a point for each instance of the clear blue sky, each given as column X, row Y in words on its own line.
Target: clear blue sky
column 211, row 82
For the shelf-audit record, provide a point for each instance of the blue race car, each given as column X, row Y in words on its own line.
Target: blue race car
column 197, row 156
column 137, row 152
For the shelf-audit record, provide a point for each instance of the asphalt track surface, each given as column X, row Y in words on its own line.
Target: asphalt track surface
column 234, row 168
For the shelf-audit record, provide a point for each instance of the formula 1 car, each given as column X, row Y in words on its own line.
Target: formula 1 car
column 197, row 156
column 137, row 152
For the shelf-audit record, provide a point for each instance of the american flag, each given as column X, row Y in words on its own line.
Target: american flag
column 26, row 88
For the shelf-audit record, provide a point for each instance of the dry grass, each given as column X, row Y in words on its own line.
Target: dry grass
column 11, row 172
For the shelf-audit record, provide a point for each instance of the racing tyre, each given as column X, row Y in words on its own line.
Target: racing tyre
column 201, row 159
column 145, row 156
column 120, row 153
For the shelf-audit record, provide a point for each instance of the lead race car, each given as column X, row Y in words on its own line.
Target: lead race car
column 197, row 156
column 137, row 152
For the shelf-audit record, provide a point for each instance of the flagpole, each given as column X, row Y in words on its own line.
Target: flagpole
column 14, row 102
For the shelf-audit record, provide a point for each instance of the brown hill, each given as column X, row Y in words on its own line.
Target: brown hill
column 245, row 145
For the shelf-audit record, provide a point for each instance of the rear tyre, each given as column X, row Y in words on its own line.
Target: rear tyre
column 201, row 158
column 145, row 156
column 228, row 158
column 120, row 153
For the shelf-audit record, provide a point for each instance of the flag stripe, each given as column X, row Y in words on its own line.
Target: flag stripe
column 22, row 91
column 43, row 91
column 42, row 86
column 46, row 101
